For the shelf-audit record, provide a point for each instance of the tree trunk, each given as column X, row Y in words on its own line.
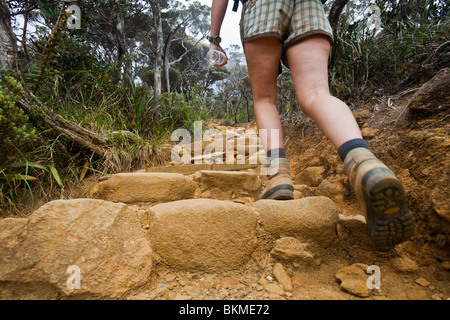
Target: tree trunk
column 167, row 53
column 122, row 46
column 166, row 58
column 248, row 111
column 8, row 46
column 24, row 32
column 335, row 11
column 156, row 6
column 167, row 66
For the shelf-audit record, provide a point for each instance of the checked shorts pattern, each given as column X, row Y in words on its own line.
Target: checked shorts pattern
column 289, row 20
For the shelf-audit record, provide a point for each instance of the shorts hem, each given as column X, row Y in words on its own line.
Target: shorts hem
column 294, row 39
column 262, row 35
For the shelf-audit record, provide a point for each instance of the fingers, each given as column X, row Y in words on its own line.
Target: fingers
column 215, row 46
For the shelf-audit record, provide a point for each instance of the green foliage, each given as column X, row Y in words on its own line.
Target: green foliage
column 403, row 54
column 39, row 172
column 89, row 77
column 15, row 129
column 179, row 112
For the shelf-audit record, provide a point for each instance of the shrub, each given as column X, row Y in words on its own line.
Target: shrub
column 15, row 129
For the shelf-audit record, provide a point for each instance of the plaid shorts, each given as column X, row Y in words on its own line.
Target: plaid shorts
column 288, row 20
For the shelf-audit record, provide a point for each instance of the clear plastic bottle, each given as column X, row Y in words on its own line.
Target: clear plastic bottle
column 216, row 57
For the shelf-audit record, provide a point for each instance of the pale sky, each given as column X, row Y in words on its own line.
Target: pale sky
column 229, row 31
column 230, row 27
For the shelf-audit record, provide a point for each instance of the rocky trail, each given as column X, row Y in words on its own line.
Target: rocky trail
column 198, row 231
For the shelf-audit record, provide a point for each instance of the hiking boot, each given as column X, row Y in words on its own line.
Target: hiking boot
column 382, row 197
column 279, row 186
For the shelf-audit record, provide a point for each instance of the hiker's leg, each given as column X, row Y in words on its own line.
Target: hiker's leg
column 263, row 57
column 380, row 192
column 308, row 63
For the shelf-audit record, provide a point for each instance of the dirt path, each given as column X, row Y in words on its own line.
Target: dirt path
column 414, row 270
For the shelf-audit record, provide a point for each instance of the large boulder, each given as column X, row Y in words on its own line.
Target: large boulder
column 311, row 220
column 203, row 234
column 81, row 248
column 433, row 96
column 147, row 187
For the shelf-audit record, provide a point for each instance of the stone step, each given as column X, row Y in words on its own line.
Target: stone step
column 221, row 143
column 193, row 168
column 89, row 248
column 144, row 187
column 160, row 187
column 228, row 184
column 203, row 234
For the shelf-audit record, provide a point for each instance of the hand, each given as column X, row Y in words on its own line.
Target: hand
column 215, row 46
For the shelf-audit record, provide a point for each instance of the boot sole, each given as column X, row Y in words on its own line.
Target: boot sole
column 389, row 220
column 280, row 192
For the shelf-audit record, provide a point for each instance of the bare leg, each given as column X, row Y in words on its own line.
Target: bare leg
column 308, row 63
column 381, row 194
column 263, row 56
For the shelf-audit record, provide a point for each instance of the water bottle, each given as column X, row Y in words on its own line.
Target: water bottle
column 216, row 57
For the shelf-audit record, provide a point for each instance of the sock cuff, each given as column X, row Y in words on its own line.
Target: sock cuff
column 276, row 153
column 345, row 148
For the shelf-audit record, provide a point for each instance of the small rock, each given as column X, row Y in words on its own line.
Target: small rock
column 404, row 264
column 446, row 265
column 422, row 282
column 290, row 249
column 170, row 277
column 263, row 282
column 332, row 188
column 274, row 288
column 282, row 276
column 369, row 132
column 274, row 296
column 159, row 292
column 353, row 279
column 311, row 176
column 224, row 292
column 302, row 191
column 436, row 297
column 439, row 200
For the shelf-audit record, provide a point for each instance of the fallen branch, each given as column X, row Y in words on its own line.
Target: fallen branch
column 48, row 120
